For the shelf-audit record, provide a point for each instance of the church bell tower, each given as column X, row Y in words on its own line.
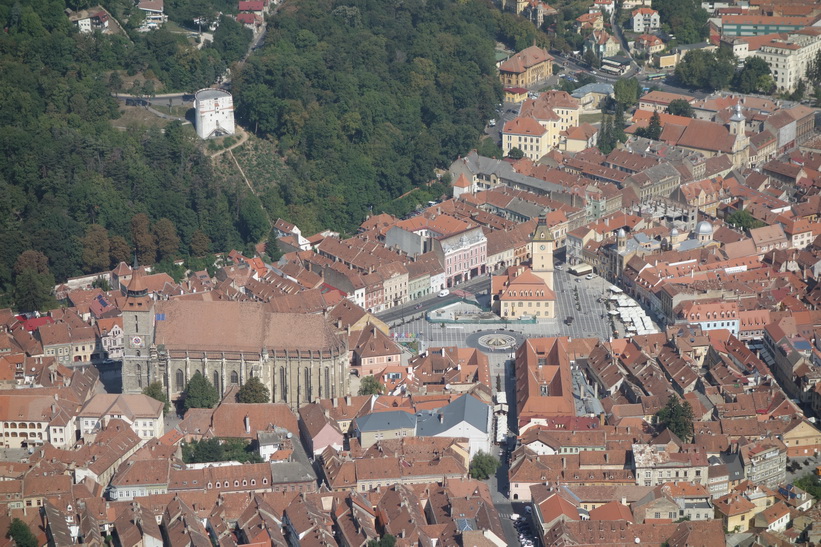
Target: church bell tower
column 138, row 333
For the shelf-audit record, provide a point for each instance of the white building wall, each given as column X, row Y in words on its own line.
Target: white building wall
column 214, row 113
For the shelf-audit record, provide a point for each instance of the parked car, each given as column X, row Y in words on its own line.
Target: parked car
column 589, row 276
column 491, row 123
column 443, row 293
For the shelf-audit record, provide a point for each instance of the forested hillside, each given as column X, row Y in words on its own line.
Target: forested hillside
column 361, row 98
column 71, row 183
column 365, row 97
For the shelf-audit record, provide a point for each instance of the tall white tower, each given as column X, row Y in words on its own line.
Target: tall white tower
column 214, row 113
column 541, row 251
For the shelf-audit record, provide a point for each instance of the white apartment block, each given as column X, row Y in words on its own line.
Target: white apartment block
column 645, row 20
column 788, row 59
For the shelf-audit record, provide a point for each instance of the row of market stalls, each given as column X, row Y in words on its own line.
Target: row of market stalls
column 634, row 318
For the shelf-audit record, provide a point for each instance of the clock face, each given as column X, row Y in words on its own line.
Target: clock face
column 542, row 248
column 136, row 341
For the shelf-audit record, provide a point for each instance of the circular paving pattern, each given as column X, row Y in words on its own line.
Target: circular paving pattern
column 497, row 341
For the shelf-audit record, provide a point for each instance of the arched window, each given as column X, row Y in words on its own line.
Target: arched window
column 234, row 377
column 180, row 384
column 327, row 382
column 217, row 380
column 139, row 370
column 236, row 483
column 283, row 386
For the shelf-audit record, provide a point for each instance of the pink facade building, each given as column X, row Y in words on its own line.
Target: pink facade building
column 464, row 255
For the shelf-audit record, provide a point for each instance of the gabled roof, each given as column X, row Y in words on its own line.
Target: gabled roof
column 525, row 59
column 465, row 409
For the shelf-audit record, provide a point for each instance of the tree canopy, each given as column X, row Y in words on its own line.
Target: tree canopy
column 677, row 417
column 685, row 19
column 156, row 391
column 253, row 391
column 22, row 535
column 483, row 465
column 653, row 129
column 370, row 386
column 367, row 98
column 219, row 450
column 200, row 393
column 754, row 77
column 385, row 541
column 680, row 107
column 744, row 220
column 70, row 180
column 710, row 70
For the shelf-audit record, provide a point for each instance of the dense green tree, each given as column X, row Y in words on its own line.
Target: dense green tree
column 706, row 69
column 483, row 465
column 219, row 450
column 96, row 249
column 33, row 282
column 617, row 127
column 816, row 96
column 200, row 393
column 680, row 107
column 744, row 220
column 252, row 220
column 591, row 58
column 752, row 76
column 799, row 91
column 490, row 149
column 385, row 541
column 677, row 417
column 606, row 139
column 811, row 484
column 653, row 129
column 33, row 291
column 231, row 39
column 685, row 19
column 370, row 386
column 272, row 248
column 155, row 390
column 814, row 69
column 22, row 535
column 253, row 391
column 626, row 91
column 515, row 153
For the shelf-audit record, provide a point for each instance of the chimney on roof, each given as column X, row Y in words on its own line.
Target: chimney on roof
column 347, row 399
column 247, row 425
